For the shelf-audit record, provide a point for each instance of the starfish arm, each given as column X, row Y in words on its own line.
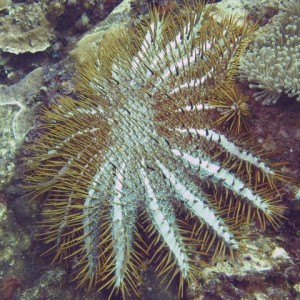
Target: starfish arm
column 221, row 139
column 223, row 176
column 196, row 204
column 118, row 228
column 166, row 226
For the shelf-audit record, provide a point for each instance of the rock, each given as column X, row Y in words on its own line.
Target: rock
column 18, row 107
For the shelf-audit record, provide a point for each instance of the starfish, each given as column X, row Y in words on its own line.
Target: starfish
column 137, row 164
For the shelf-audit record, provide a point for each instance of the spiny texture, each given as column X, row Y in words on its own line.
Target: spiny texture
column 272, row 64
column 137, row 165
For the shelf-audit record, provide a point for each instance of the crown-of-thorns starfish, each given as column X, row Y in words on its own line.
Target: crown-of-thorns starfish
column 136, row 166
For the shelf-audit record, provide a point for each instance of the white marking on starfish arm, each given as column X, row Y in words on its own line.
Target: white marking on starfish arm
column 85, row 111
column 177, row 46
column 229, row 146
column 73, row 135
column 198, row 82
column 197, row 107
column 149, row 44
column 92, row 201
column 179, row 43
column 199, row 208
column 208, row 168
column 119, row 239
column 165, row 228
column 88, row 240
column 66, row 167
column 181, row 61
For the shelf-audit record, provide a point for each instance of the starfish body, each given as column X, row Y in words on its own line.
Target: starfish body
column 137, row 165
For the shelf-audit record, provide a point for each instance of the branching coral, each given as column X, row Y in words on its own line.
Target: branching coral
column 272, row 64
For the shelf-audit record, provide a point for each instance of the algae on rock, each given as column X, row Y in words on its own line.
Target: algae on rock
column 17, row 110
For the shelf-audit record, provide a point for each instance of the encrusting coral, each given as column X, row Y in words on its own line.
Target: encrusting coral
column 138, row 166
column 272, row 63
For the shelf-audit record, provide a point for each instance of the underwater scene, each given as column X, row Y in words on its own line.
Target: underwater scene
column 150, row 149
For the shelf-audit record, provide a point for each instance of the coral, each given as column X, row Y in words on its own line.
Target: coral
column 55, row 9
column 224, row 279
column 119, row 18
column 135, row 166
column 76, row 13
column 3, row 4
column 16, row 118
column 8, row 286
column 272, row 64
column 24, row 29
column 261, row 10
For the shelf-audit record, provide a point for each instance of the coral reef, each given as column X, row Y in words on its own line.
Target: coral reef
column 272, row 64
column 137, row 166
column 256, row 274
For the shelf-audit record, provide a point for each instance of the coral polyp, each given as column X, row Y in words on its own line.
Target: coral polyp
column 137, row 167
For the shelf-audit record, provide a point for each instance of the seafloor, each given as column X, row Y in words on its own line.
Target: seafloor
column 39, row 43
